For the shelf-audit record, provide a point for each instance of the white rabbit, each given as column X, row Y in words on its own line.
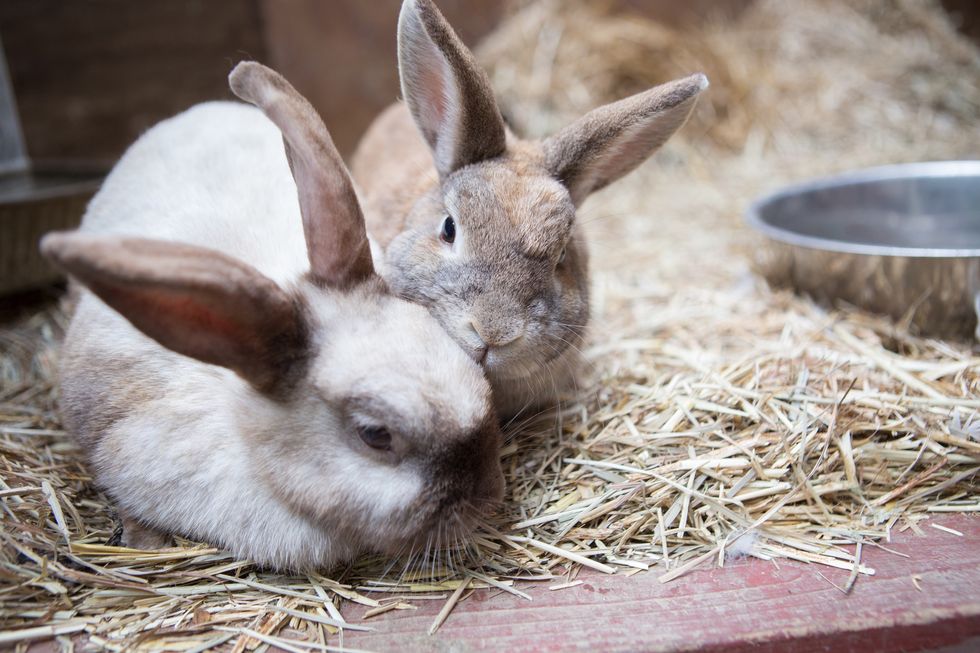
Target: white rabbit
column 240, row 375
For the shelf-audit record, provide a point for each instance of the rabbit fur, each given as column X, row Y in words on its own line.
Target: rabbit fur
column 512, row 286
column 235, row 364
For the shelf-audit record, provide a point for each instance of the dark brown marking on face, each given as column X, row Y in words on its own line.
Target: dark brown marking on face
column 464, row 475
column 288, row 353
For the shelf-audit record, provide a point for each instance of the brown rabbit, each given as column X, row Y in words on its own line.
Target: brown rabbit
column 478, row 225
column 236, row 371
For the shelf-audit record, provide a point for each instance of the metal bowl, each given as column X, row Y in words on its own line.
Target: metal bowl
column 901, row 240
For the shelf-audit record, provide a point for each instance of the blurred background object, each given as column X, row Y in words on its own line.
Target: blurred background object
column 90, row 77
column 33, row 200
column 784, row 75
column 901, row 240
column 13, row 157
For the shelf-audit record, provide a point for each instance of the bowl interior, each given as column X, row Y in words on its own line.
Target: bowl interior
column 920, row 210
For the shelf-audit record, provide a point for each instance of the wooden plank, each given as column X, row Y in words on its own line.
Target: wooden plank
column 750, row 605
column 927, row 602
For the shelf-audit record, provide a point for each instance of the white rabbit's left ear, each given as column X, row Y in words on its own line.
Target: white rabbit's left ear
column 608, row 142
column 447, row 92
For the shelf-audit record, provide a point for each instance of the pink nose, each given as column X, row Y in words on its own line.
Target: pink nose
column 493, row 336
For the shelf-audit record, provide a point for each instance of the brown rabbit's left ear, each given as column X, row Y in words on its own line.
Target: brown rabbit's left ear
column 447, row 92
column 612, row 140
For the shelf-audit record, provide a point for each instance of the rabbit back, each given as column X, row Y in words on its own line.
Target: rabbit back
column 214, row 176
column 393, row 168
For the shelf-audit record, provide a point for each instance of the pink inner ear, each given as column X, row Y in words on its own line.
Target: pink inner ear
column 188, row 325
column 433, row 85
column 194, row 320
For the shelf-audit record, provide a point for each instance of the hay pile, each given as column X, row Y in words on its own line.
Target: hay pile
column 787, row 79
column 718, row 416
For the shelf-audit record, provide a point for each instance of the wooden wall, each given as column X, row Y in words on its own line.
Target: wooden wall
column 90, row 75
column 342, row 55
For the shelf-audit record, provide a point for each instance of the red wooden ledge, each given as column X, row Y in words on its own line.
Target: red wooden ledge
column 749, row 605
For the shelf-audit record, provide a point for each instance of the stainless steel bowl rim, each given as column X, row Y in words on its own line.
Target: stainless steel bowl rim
column 891, row 172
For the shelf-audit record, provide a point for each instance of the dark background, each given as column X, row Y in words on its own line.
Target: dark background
column 90, row 76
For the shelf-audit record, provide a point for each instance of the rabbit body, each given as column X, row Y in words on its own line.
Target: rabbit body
column 509, row 277
column 350, row 422
column 478, row 225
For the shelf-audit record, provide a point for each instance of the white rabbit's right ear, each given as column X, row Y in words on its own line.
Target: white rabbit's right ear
column 447, row 92
column 336, row 239
column 195, row 301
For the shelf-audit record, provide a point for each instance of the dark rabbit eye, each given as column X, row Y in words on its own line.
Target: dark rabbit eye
column 448, row 230
column 376, row 437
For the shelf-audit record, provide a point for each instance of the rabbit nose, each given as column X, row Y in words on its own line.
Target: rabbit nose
column 494, row 336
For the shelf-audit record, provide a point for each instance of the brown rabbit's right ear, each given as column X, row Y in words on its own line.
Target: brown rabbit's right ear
column 449, row 95
column 195, row 301
column 336, row 240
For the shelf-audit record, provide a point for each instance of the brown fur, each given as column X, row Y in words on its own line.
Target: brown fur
column 513, row 289
column 137, row 535
column 458, row 136
column 587, row 155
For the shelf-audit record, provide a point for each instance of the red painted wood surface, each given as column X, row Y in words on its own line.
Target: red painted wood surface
column 749, row 605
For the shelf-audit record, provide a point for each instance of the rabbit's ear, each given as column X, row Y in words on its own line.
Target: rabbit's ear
column 612, row 140
column 448, row 94
column 195, row 301
column 336, row 240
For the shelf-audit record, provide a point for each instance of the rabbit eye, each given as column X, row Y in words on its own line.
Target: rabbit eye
column 561, row 257
column 448, row 234
column 376, row 437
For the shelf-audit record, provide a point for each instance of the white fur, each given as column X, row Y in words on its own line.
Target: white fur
column 236, row 194
column 199, row 452
column 743, row 546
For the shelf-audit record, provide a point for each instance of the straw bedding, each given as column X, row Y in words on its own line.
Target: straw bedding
column 717, row 417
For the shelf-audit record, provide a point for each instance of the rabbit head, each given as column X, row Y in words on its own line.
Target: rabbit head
column 355, row 409
column 493, row 248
